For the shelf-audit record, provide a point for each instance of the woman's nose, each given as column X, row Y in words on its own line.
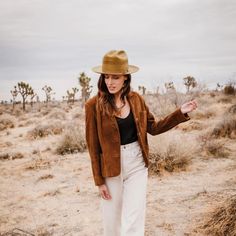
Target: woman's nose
column 109, row 81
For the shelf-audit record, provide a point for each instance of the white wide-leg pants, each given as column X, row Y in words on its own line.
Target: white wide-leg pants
column 124, row 214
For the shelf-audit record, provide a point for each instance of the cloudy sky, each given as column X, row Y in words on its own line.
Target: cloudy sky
column 52, row 41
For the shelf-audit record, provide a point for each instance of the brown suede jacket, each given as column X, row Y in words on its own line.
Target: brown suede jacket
column 103, row 138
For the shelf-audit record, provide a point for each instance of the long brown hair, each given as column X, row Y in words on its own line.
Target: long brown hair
column 106, row 100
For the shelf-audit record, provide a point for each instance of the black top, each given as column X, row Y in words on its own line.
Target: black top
column 127, row 128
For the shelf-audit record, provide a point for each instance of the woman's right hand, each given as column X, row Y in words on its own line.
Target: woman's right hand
column 103, row 191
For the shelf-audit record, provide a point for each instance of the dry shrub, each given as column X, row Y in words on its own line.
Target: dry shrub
column 38, row 163
column 6, row 144
column 20, row 232
column 43, row 232
column 225, row 128
column 173, row 159
column 52, row 193
column 214, row 148
column 47, row 176
column 17, row 112
column 232, row 109
column 44, row 111
column 191, row 125
column 6, row 121
column 222, row 220
column 79, row 116
column 73, row 140
column 160, row 105
column 57, row 114
column 225, row 100
column 230, row 89
column 11, row 156
column 44, row 130
column 203, row 114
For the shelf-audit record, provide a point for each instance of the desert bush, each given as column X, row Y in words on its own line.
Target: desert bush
column 72, row 141
column 221, row 221
column 214, row 148
column 79, row 115
column 225, row 128
column 229, row 89
column 171, row 160
column 38, row 163
column 57, row 114
column 6, row 121
column 191, row 125
column 44, row 130
column 11, row 156
column 17, row 112
column 47, row 176
column 204, row 114
column 232, row 109
column 225, row 100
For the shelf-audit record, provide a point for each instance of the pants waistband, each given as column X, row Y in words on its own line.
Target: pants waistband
column 129, row 145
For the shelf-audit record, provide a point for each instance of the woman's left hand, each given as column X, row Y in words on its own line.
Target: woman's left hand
column 188, row 106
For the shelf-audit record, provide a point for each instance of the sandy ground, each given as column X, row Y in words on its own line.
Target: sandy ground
column 49, row 194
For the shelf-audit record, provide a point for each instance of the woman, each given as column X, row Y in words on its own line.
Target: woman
column 117, row 123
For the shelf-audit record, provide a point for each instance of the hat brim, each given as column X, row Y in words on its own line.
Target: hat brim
column 131, row 69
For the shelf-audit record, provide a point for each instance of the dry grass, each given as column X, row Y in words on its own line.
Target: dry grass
column 5, row 144
column 6, row 121
column 225, row 100
column 44, row 130
column 230, row 89
column 21, row 232
column 222, row 220
column 73, row 140
column 38, row 163
column 214, row 148
column 225, row 128
column 52, row 193
column 232, row 109
column 57, row 114
column 171, row 160
column 47, row 176
column 191, row 125
column 203, row 114
column 11, row 156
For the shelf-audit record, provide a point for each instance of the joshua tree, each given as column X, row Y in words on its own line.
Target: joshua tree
column 48, row 93
column 86, row 88
column 31, row 98
column 71, row 95
column 189, row 82
column 169, row 86
column 14, row 94
column 142, row 89
column 24, row 90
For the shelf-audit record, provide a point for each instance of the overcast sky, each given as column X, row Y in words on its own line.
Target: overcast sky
column 52, row 41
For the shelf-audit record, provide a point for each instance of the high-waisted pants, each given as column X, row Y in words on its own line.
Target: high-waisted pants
column 124, row 214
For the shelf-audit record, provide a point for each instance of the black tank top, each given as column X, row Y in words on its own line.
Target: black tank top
column 127, row 129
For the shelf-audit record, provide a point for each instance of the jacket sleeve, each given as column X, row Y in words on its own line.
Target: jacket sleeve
column 93, row 143
column 155, row 127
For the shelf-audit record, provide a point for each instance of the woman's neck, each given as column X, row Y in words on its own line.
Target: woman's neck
column 117, row 97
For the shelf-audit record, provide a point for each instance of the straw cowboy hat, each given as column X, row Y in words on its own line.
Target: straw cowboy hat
column 115, row 62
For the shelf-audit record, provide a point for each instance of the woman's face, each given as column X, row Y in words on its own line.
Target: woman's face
column 114, row 83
